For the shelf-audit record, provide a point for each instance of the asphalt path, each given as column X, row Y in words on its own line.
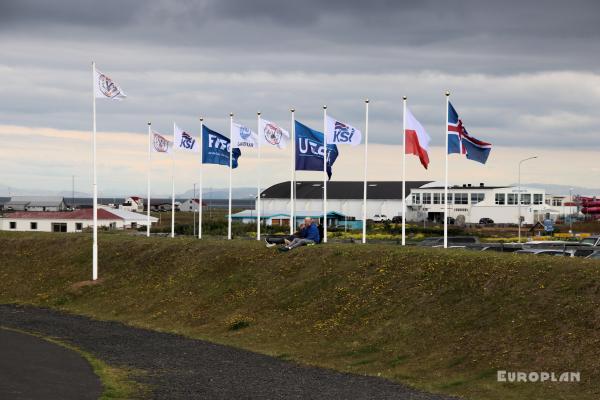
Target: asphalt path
column 175, row 367
column 32, row 368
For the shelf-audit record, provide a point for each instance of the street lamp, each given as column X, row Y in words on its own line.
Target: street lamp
column 519, row 192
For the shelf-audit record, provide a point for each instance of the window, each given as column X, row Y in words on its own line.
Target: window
column 557, row 202
column 59, row 227
column 33, row 225
column 426, row 198
column 416, row 198
column 512, row 199
column 549, row 202
column 450, row 198
column 526, row 198
column 436, row 198
column 477, row 197
column 13, row 225
column 500, row 198
column 79, row 226
column 537, row 198
column 461, row 198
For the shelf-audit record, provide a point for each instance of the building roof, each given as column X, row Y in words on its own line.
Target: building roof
column 298, row 214
column 84, row 214
column 128, row 215
column 343, row 190
column 35, row 201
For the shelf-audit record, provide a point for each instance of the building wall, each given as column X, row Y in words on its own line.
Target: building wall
column 45, row 225
column 350, row 208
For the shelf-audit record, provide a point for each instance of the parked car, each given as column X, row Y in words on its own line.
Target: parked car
column 546, row 252
column 451, row 221
column 486, row 221
column 591, row 241
column 503, row 249
column 595, row 255
column 397, row 219
column 380, row 218
column 453, row 241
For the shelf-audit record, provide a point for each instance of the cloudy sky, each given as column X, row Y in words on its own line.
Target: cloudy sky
column 523, row 76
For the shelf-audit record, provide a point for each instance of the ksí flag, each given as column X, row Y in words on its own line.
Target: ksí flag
column 215, row 149
column 417, row 139
column 459, row 140
column 272, row 135
column 184, row 141
column 106, row 88
column 160, row 144
column 310, row 150
column 243, row 136
column 341, row 133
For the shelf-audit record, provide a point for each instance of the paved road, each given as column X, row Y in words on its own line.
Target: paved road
column 180, row 368
column 32, row 368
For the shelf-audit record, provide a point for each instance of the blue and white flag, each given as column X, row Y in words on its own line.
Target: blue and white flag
column 215, row 149
column 341, row 133
column 184, row 141
column 459, row 140
column 243, row 136
column 309, row 150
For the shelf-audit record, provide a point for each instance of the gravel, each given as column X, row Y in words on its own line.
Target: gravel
column 175, row 367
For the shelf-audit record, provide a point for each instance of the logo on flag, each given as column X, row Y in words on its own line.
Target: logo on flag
column 243, row 136
column 459, row 140
column 310, row 150
column 184, row 141
column 106, row 88
column 160, row 144
column 341, row 133
column 215, row 149
column 273, row 135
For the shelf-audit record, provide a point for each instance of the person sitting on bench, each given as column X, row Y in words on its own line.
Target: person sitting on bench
column 309, row 234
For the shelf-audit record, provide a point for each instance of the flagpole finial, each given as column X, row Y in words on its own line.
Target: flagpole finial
column 258, row 113
column 149, row 123
column 366, row 100
column 447, row 93
column 325, row 107
column 201, row 119
column 404, row 98
column 292, row 109
column 231, row 114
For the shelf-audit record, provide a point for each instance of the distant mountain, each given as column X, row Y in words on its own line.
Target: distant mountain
column 562, row 189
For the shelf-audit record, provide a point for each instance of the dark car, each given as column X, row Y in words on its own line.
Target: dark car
column 486, row 221
column 453, row 241
column 397, row 219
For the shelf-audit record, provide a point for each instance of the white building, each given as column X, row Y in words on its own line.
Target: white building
column 424, row 201
column 131, row 219
column 59, row 221
column 134, row 204
column 190, row 205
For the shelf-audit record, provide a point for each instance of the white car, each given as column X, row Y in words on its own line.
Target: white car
column 380, row 218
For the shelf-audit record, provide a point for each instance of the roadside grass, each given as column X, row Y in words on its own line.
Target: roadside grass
column 442, row 321
column 116, row 382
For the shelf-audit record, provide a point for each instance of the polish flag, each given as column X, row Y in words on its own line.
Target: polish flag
column 417, row 139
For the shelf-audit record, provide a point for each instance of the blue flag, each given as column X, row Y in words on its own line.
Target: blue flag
column 309, row 150
column 215, row 149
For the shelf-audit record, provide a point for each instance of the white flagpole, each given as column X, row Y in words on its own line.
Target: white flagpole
column 293, row 180
column 324, row 174
column 230, row 167
column 94, row 184
column 404, row 171
column 201, row 176
column 258, row 180
column 364, row 221
column 173, row 186
column 149, row 170
column 446, row 176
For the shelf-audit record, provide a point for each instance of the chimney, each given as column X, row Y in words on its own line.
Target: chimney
column 481, row 184
column 464, row 185
column 469, row 185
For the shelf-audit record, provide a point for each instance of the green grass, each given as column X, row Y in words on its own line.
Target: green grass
column 442, row 321
column 116, row 382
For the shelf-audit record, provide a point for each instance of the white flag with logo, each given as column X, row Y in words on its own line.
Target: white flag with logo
column 160, row 144
column 243, row 137
column 184, row 141
column 341, row 133
column 106, row 88
column 272, row 135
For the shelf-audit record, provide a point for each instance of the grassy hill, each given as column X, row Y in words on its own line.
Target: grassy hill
column 443, row 321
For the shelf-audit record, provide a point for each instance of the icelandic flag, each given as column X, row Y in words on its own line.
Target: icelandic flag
column 309, row 150
column 215, row 149
column 459, row 140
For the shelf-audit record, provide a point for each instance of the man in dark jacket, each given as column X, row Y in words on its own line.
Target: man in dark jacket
column 309, row 234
